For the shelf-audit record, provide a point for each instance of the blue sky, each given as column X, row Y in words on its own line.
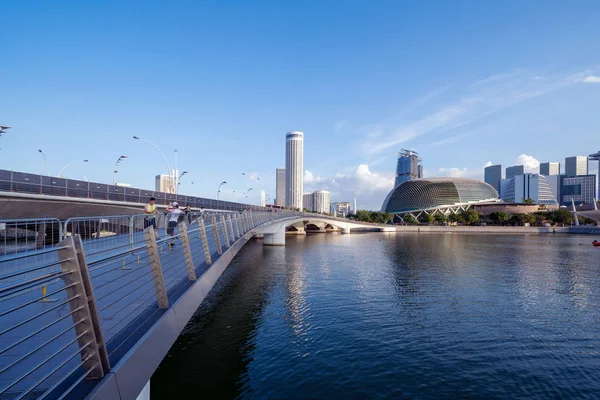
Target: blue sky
column 463, row 83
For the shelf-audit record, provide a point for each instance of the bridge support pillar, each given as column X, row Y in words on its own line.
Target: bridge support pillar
column 346, row 230
column 274, row 239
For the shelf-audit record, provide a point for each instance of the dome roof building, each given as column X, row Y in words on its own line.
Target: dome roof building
column 431, row 194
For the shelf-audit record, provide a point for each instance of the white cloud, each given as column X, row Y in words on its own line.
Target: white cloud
column 369, row 187
column 530, row 164
column 252, row 176
column 309, row 178
column 488, row 164
column 591, row 79
column 476, row 102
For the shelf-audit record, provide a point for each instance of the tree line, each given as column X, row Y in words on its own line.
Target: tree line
column 500, row 218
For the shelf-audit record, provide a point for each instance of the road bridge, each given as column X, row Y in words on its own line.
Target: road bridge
column 93, row 317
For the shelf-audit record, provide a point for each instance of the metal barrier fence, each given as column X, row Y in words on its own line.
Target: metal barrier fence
column 21, row 182
column 71, row 310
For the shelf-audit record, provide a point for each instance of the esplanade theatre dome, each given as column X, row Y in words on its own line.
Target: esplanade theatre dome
column 432, row 193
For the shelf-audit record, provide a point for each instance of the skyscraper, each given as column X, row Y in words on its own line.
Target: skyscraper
column 515, row 170
column 493, row 176
column 307, row 201
column 550, row 168
column 321, row 201
column 294, row 167
column 408, row 166
column 575, row 166
column 280, row 187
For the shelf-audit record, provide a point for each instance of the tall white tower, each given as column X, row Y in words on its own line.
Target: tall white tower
column 294, row 169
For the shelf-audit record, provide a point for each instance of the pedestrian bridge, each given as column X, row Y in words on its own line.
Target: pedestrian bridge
column 91, row 311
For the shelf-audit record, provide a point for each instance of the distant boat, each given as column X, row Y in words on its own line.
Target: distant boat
column 596, row 243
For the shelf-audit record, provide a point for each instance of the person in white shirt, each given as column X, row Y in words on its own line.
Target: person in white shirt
column 173, row 213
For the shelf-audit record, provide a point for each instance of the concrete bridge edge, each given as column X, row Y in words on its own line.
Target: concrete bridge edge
column 130, row 375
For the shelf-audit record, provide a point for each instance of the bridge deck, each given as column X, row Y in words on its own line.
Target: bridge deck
column 124, row 293
column 39, row 350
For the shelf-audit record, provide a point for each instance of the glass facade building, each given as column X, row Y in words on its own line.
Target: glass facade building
column 580, row 189
column 515, row 170
column 575, row 166
column 429, row 194
column 493, row 176
column 528, row 186
column 408, row 167
column 550, row 168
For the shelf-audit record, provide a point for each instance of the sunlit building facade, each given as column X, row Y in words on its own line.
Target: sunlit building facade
column 294, row 169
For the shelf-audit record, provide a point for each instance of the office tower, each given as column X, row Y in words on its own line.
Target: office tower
column 163, row 183
column 294, row 168
column 420, row 174
column 321, row 201
column 354, row 209
column 550, row 168
column 575, row 166
column 581, row 189
column 408, row 166
column 307, row 201
column 493, row 176
column 528, row 186
column 513, row 171
column 280, row 187
column 263, row 200
column 596, row 157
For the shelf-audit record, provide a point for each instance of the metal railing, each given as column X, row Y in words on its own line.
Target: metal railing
column 71, row 310
column 21, row 182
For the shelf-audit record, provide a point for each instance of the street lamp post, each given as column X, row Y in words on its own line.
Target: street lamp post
column 3, row 129
column 219, row 188
column 116, row 165
column 60, row 174
column 178, row 181
column 170, row 174
column 45, row 161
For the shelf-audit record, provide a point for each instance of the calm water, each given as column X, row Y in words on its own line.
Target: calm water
column 391, row 316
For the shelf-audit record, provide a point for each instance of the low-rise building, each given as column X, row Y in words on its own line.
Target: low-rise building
column 341, row 208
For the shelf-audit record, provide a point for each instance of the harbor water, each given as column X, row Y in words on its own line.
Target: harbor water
column 396, row 316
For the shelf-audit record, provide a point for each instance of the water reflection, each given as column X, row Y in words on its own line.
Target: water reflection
column 404, row 315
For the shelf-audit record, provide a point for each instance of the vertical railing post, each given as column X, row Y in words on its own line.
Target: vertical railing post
column 131, row 232
column 204, row 238
column 82, row 305
column 236, row 225
column 187, row 251
column 225, row 231
column 215, row 229
column 157, row 275
column 233, row 235
column 40, row 236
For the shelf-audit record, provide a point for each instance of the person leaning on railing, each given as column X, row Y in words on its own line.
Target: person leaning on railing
column 150, row 211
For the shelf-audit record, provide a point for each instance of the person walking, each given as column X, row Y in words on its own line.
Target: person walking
column 150, row 211
column 173, row 212
column 187, row 211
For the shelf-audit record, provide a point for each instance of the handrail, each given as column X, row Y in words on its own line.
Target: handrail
column 134, row 276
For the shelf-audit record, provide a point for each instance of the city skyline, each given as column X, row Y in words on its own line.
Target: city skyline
column 382, row 78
